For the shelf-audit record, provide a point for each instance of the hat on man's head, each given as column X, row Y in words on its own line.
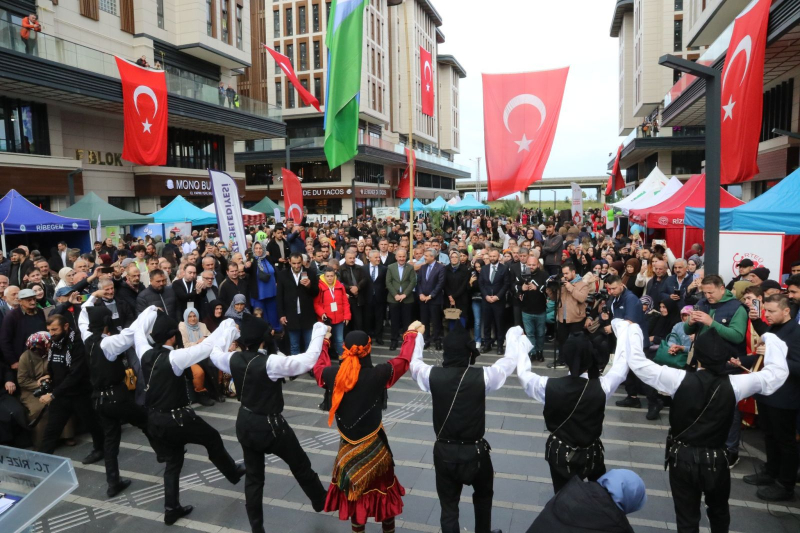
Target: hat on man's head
column 64, row 291
column 164, row 328
column 770, row 284
column 458, row 349
column 127, row 261
column 744, row 263
column 100, row 317
column 254, row 331
column 761, row 272
column 26, row 293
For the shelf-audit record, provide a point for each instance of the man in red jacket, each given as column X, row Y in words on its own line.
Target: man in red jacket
column 31, row 22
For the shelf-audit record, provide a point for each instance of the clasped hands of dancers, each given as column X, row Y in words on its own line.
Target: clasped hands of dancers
column 363, row 484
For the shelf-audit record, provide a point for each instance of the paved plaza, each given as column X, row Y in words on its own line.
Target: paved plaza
column 515, row 430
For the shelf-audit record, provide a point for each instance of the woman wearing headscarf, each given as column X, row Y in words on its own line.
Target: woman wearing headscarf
column 263, row 286
column 363, row 483
column 216, row 317
column 237, row 309
column 669, row 315
column 693, row 264
column 701, row 415
column 632, row 266
column 41, row 295
column 193, row 332
column 650, row 314
column 65, row 277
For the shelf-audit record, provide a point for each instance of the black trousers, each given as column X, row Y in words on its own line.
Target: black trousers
column 493, row 316
column 451, row 478
column 431, row 317
column 688, row 483
column 780, row 426
column 61, row 409
column 356, row 316
column 170, row 433
column 259, row 438
column 561, row 475
column 517, row 315
column 111, row 417
column 563, row 331
column 400, row 317
column 376, row 312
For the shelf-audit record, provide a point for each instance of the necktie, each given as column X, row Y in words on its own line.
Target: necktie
column 492, row 273
column 428, row 273
column 374, row 274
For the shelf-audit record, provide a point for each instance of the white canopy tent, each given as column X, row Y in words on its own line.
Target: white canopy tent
column 454, row 200
column 652, row 198
column 651, row 186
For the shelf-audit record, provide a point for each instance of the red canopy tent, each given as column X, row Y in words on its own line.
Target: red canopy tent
column 668, row 215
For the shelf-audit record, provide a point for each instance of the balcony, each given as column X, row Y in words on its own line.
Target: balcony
column 81, row 57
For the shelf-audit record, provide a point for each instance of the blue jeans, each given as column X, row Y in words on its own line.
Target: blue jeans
column 299, row 339
column 477, row 306
column 535, row 327
column 337, row 340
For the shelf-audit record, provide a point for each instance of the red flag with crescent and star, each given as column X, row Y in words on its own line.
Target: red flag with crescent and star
column 742, row 95
column 285, row 64
column 426, row 79
column 520, row 115
column 616, row 175
column 292, row 195
column 404, row 188
column 144, row 105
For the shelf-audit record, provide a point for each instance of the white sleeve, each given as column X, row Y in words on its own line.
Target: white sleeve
column 141, row 330
column 495, row 376
column 83, row 318
column 220, row 359
column 420, row 370
column 533, row 384
column 662, row 378
column 641, row 280
column 618, row 372
column 771, row 377
column 114, row 345
column 222, row 337
column 283, row 366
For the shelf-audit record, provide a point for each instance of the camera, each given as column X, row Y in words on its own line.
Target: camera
column 553, row 282
column 45, row 387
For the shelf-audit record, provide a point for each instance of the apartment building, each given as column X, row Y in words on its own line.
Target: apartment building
column 711, row 25
column 61, row 101
column 646, row 30
column 298, row 29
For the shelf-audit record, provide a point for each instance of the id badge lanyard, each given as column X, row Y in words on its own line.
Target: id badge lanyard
column 334, row 307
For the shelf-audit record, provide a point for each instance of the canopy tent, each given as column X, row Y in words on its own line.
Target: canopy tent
column 437, row 205
column 20, row 217
column 645, row 202
column 454, row 200
column 180, row 210
column 91, row 206
column 267, row 207
column 249, row 217
column 649, row 192
column 469, row 203
column 417, row 205
column 668, row 215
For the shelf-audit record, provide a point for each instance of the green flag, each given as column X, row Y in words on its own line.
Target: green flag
column 345, row 45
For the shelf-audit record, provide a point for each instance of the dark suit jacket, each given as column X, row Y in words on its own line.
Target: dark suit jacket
column 127, row 294
column 17, row 273
column 376, row 290
column 389, row 259
column 289, row 292
column 456, row 284
column 55, row 261
column 431, row 285
column 498, row 287
column 354, row 276
column 274, row 252
column 185, row 293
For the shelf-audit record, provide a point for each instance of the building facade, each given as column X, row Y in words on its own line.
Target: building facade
column 298, row 29
column 61, row 100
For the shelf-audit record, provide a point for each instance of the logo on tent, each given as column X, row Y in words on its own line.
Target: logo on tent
column 22, row 227
column 664, row 221
column 74, row 225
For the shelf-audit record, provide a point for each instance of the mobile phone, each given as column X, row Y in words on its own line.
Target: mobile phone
column 757, row 307
column 676, row 292
column 304, row 275
column 84, row 297
column 644, row 262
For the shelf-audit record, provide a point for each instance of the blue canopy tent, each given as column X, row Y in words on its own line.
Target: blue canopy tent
column 20, row 217
column 469, row 203
column 417, row 206
column 180, row 210
column 440, row 204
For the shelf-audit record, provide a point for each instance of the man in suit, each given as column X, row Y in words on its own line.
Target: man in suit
column 208, row 293
column 297, row 288
column 187, row 289
column 401, row 279
column 278, row 249
column 387, row 257
column 20, row 265
column 376, row 297
column 493, row 285
column 355, row 282
column 58, row 257
column 430, row 290
column 456, row 287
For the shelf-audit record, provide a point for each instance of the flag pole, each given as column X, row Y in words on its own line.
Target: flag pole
column 411, row 109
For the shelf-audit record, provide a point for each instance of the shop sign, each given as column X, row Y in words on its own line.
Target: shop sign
column 190, row 187
column 325, row 193
column 109, row 159
column 376, row 192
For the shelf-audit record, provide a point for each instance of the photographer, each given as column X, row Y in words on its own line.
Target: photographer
column 533, row 305
column 570, row 310
column 515, row 282
column 598, row 318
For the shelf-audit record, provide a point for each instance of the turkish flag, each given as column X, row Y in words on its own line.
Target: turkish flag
column 144, row 105
column 520, row 115
column 286, row 65
column 426, row 77
column 404, row 188
column 742, row 95
column 616, row 175
column 292, row 196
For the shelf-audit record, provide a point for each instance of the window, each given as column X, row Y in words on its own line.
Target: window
column 303, row 56
column 290, row 53
column 160, row 13
column 777, row 110
column 679, row 5
column 316, row 172
column 678, row 44
column 318, row 89
column 239, row 10
column 277, row 66
column 210, row 18
column 23, row 127
column 304, row 83
column 315, row 16
column 688, row 161
column 328, row 16
column 301, row 13
column 289, row 22
column 259, row 174
column 317, row 56
column 290, row 95
column 194, row 149
column 369, row 172
column 109, row 6
column 126, row 203
column 278, row 94
column 225, row 32
column 276, row 23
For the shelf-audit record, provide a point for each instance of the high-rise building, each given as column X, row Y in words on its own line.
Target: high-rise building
column 298, row 29
column 61, row 99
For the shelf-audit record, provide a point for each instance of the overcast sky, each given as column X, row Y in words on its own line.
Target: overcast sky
column 504, row 36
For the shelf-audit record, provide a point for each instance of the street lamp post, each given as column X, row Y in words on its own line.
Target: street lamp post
column 554, row 204
column 713, row 145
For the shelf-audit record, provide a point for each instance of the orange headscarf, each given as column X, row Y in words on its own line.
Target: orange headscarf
column 347, row 377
